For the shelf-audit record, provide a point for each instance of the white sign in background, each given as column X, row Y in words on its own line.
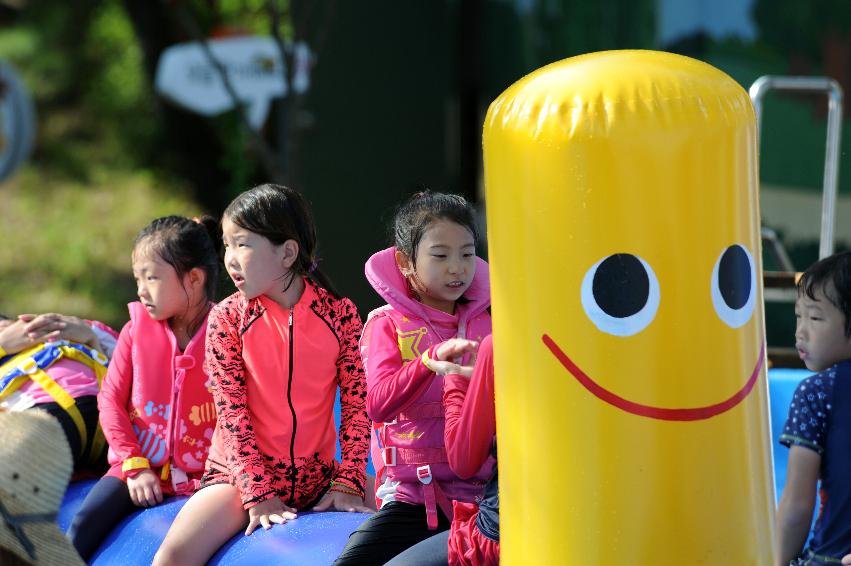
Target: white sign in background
column 255, row 70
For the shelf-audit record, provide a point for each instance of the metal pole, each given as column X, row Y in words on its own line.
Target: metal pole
column 834, row 125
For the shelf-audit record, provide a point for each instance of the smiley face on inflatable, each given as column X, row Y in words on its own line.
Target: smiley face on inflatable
column 623, row 234
column 620, row 295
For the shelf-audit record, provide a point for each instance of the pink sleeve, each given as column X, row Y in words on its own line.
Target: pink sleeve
column 114, row 399
column 354, row 423
column 391, row 383
column 470, row 420
column 226, row 368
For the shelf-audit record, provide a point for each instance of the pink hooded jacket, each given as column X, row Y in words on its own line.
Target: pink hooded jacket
column 404, row 397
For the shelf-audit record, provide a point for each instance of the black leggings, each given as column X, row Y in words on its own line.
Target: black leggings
column 104, row 507
column 88, row 406
column 393, row 529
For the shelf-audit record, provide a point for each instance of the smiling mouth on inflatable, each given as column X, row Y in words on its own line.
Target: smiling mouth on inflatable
column 662, row 413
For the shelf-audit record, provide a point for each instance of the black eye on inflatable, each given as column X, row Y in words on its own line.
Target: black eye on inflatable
column 734, row 286
column 620, row 294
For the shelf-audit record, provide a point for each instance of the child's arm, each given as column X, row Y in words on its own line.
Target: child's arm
column 114, row 398
column 113, row 401
column 349, row 487
column 226, row 368
column 14, row 338
column 470, row 414
column 795, row 512
column 804, row 433
column 354, row 424
column 392, row 384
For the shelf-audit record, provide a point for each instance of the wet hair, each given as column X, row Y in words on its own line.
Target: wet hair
column 831, row 276
column 4, row 317
column 185, row 244
column 417, row 213
column 279, row 213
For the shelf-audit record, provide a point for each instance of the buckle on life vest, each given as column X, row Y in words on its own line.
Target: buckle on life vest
column 424, row 474
column 388, row 454
column 28, row 366
column 99, row 358
column 184, row 362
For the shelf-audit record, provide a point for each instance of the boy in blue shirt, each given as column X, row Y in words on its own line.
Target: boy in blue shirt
column 818, row 428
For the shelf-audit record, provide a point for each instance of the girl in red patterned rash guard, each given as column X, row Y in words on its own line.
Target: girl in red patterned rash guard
column 277, row 350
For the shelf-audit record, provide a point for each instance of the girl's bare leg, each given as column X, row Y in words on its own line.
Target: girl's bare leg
column 207, row 521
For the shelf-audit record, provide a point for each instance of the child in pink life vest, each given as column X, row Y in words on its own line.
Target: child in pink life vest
column 155, row 407
column 436, row 289
column 55, row 363
column 276, row 352
column 470, row 435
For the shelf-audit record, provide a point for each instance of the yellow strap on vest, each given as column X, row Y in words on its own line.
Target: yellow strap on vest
column 25, row 361
column 13, row 363
column 97, row 366
column 60, row 396
column 98, row 444
column 165, row 471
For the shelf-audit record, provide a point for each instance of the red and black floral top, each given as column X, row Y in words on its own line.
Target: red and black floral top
column 275, row 373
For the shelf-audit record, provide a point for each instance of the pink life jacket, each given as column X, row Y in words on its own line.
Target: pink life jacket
column 171, row 404
column 410, row 449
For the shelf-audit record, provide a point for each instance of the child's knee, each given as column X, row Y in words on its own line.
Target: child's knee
column 170, row 554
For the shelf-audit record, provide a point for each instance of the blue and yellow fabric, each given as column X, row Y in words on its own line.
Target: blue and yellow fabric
column 33, row 364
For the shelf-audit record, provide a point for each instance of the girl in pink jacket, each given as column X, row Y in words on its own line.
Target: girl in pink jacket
column 277, row 350
column 155, row 407
column 436, row 289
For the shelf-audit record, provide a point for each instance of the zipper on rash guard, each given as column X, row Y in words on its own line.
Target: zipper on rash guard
column 292, row 410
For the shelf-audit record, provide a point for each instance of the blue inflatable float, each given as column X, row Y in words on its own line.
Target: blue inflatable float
column 312, row 539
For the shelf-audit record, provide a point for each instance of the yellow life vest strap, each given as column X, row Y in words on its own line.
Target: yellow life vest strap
column 96, row 365
column 11, row 364
column 96, row 362
column 60, row 396
column 98, row 444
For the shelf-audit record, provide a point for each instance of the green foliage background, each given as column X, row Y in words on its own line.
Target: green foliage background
column 69, row 217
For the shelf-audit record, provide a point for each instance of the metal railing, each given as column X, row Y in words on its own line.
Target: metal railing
column 834, row 126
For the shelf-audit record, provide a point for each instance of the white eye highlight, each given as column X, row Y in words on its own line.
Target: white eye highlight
column 734, row 285
column 620, row 294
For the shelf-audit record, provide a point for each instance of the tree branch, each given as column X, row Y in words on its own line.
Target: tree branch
column 267, row 157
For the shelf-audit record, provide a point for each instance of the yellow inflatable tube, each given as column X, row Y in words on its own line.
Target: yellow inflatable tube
column 623, row 231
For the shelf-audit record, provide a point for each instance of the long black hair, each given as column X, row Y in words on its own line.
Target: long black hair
column 417, row 213
column 279, row 213
column 186, row 244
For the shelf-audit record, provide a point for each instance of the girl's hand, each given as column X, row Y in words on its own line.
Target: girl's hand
column 52, row 326
column 267, row 512
column 14, row 337
column 452, row 349
column 846, row 559
column 145, row 489
column 338, row 501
